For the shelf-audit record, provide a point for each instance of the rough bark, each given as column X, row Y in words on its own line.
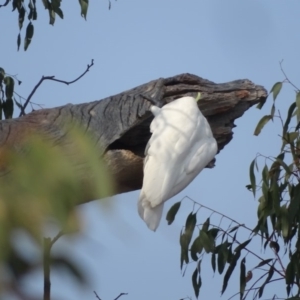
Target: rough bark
column 120, row 123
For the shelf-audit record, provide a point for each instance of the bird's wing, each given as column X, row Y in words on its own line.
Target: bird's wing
column 206, row 151
column 173, row 129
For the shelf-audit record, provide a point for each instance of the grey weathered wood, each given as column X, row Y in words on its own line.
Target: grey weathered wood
column 120, row 123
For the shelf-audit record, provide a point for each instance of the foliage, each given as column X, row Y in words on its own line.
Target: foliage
column 7, row 94
column 7, row 99
column 42, row 183
column 278, row 224
column 29, row 8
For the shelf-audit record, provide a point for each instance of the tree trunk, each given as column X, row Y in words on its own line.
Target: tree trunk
column 120, row 123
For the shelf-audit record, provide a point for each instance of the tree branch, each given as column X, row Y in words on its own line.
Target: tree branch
column 119, row 124
column 121, row 294
column 22, row 113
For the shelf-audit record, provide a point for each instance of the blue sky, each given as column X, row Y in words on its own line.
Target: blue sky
column 133, row 43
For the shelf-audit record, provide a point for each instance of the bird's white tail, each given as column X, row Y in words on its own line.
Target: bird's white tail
column 151, row 215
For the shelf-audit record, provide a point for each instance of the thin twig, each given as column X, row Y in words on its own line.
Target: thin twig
column 287, row 79
column 97, row 296
column 61, row 233
column 22, row 113
column 255, row 288
column 5, row 3
column 48, row 243
column 218, row 213
column 279, row 260
column 228, row 234
column 121, row 294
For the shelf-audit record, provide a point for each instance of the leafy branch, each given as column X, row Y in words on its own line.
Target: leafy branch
column 7, row 99
column 278, row 215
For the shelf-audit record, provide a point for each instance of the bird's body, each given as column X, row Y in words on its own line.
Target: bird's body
column 181, row 146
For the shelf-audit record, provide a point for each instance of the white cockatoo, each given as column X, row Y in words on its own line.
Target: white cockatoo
column 181, row 145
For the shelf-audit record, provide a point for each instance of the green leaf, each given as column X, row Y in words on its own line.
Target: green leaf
column 289, row 138
column 265, row 191
column 275, row 197
column 46, row 4
column 205, row 225
column 9, row 87
column 284, row 165
column 276, row 89
column 59, row 12
column 230, row 269
column 298, row 105
column 21, row 17
column 222, row 257
column 8, row 108
column 55, row 3
column 275, row 170
column 264, row 262
column 293, row 209
column 262, row 122
column 213, row 261
column 252, row 177
column 184, row 243
column 272, row 111
column 288, row 118
column 190, row 225
column 185, row 238
column 2, row 74
column 196, row 280
column 234, row 228
column 292, row 136
column 84, row 4
column 19, row 41
column 284, row 218
column 172, row 213
column 206, row 241
column 242, row 245
column 242, row 277
column 269, row 277
column 196, row 248
column 290, row 272
column 213, row 232
column 51, row 16
column 29, row 35
column 265, row 175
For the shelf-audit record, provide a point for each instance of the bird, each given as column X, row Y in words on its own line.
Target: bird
column 180, row 147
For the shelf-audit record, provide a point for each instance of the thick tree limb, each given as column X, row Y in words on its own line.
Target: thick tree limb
column 120, row 123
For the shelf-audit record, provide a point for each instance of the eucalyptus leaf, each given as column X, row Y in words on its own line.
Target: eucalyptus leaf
column 262, row 122
column 242, row 277
column 276, row 89
column 84, row 4
column 172, row 212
